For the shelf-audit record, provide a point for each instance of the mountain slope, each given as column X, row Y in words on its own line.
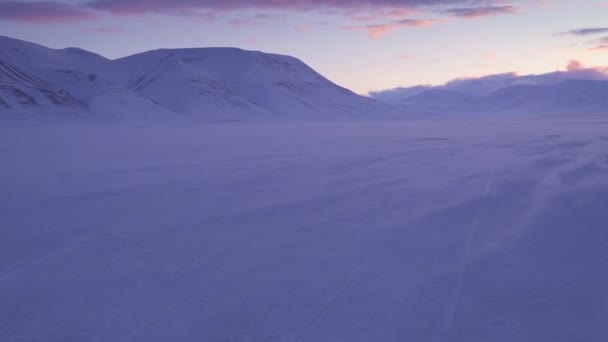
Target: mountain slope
column 37, row 56
column 208, row 83
column 184, row 88
column 440, row 99
column 240, row 80
column 18, row 88
column 565, row 97
column 576, row 89
column 36, row 79
column 568, row 97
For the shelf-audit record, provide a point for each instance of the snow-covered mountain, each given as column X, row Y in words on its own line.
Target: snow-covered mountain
column 234, row 80
column 565, row 97
column 440, row 99
column 210, row 83
column 577, row 90
column 39, row 80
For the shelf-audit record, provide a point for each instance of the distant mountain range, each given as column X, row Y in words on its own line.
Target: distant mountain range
column 576, row 91
column 208, row 83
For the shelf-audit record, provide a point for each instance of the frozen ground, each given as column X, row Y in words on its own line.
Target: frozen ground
column 460, row 231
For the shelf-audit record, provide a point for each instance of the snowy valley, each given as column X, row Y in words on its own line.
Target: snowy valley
column 468, row 230
column 219, row 194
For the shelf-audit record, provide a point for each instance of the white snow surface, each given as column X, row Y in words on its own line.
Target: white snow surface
column 461, row 231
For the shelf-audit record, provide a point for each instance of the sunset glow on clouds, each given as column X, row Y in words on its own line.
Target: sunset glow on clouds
column 44, row 12
column 450, row 38
column 378, row 30
column 397, row 10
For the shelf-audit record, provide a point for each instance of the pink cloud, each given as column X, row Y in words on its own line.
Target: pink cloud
column 303, row 28
column 489, row 57
column 383, row 14
column 378, row 30
column 601, row 47
column 576, row 69
column 401, row 12
column 481, row 12
column 573, row 65
column 405, row 55
column 43, row 12
column 250, row 41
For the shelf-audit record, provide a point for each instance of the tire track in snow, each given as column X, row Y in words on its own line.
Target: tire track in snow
column 121, row 310
column 403, row 299
column 326, row 305
column 452, row 311
column 450, row 315
column 62, row 249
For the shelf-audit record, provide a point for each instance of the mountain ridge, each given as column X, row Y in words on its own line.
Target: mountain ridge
column 565, row 97
column 210, row 83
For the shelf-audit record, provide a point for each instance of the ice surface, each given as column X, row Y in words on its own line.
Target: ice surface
column 461, row 231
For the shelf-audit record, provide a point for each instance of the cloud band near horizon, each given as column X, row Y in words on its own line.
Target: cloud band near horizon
column 44, row 12
column 143, row 6
column 64, row 11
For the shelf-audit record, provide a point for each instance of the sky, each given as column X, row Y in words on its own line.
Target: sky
column 362, row 45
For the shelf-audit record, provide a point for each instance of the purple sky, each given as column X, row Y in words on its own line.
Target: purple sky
column 363, row 45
